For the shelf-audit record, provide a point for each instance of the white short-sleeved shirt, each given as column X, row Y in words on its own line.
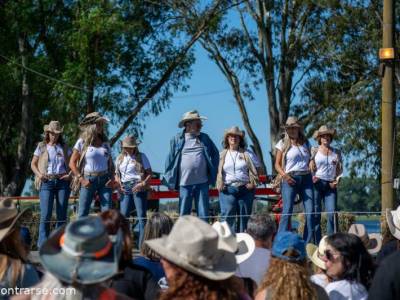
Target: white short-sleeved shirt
column 56, row 164
column 326, row 165
column 235, row 168
column 346, row 290
column 297, row 158
column 254, row 158
column 96, row 158
column 127, row 167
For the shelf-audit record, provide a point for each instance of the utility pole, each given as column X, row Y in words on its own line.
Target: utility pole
column 388, row 107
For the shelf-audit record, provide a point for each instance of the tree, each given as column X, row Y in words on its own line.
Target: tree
column 61, row 60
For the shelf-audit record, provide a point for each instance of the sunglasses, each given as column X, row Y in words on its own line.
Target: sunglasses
column 331, row 256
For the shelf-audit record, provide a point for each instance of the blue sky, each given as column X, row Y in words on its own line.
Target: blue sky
column 219, row 107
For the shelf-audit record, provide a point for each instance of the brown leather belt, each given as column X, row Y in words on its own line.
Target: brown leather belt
column 55, row 176
column 95, row 174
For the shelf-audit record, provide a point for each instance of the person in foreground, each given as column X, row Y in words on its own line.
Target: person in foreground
column 350, row 267
column 288, row 277
column 195, row 262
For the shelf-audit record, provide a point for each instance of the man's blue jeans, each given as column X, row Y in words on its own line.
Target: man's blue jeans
column 236, row 201
column 304, row 188
column 86, row 194
column 49, row 190
column 198, row 192
column 129, row 201
column 323, row 192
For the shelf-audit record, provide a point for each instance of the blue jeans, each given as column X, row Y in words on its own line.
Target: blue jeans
column 49, row 190
column 323, row 192
column 304, row 188
column 86, row 194
column 236, row 201
column 129, row 200
column 198, row 192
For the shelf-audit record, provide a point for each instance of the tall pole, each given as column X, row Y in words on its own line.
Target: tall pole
column 388, row 109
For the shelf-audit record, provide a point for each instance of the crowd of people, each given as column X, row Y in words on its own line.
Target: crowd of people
column 91, row 258
column 193, row 165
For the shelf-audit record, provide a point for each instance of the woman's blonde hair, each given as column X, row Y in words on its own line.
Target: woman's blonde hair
column 288, row 280
column 89, row 133
column 12, row 256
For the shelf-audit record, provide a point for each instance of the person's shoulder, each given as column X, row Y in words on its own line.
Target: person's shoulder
column 279, row 145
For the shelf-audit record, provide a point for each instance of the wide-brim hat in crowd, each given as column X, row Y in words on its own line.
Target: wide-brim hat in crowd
column 241, row 244
column 190, row 116
column 285, row 241
column 9, row 216
column 93, row 118
column 393, row 221
column 129, row 142
column 324, row 130
column 371, row 241
column 315, row 253
column 81, row 252
column 292, row 122
column 196, row 247
column 235, row 130
column 53, row 126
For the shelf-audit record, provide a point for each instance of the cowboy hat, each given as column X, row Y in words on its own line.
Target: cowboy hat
column 324, row 130
column 234, row 131
column 190, row 116
column 53, row 126
column 285, row 241
column 372, row 241
column 196, row 247
column 8, row 216
column 292, row 122
column 93, row 118
column 315, row 253
column 242, row 245
column 393, row 221
column 81, row 252
column 129, row 142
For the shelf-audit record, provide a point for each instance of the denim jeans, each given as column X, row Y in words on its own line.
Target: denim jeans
column 49, row 190
column 236, row 201
column 304, row 188
column 86, row 194
column 323, row 192
column 198, row 192
column 129, row 200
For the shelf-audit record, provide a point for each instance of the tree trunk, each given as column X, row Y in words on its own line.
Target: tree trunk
column 18, row 175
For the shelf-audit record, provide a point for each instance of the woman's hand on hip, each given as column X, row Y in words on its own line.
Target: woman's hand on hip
column 84, row 182
column 289, row 179
column 250, row 186
column 65, row 177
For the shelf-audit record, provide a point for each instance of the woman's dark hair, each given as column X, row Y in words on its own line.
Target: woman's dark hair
column 113, row 220
column 60, row 139
column 357, row 262
column 158, row 224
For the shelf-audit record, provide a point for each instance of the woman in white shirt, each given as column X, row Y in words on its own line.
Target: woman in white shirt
column 50, row 165
column 92, row 164
column 236, row 180
column 326, row 163
column 350, row 267
column 292, row 164
column 133, row 172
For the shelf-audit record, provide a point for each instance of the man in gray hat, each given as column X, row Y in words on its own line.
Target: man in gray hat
column 192, row 165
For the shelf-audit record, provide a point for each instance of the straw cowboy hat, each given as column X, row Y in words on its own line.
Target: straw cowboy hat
column 93, row 118
column 315, row 253
column 393, row 221
column 82, row 252
column 292, row 122
column 53, row 126
column 241, row 244
column 324, row 130
column 190, row 116
column 8, row 216
column 372, row 241
column 196, row 247
column 129, row 142
column 234, row 131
